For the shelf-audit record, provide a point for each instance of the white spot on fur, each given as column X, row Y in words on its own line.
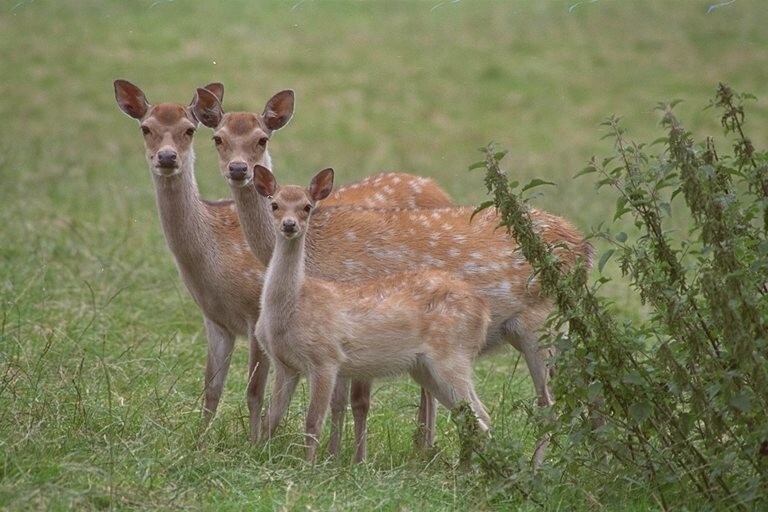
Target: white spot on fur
column 474, row 268
column 432, row 261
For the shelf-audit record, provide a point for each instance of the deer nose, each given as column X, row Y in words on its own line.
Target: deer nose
column 237, row 170
column 289, row 226
column 166, row 158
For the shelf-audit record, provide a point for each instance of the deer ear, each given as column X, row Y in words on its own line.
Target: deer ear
column 264, row 180
column 131, row 99
column 217, row 88
column 279, row 110
column 206, row 108
column 321, row 185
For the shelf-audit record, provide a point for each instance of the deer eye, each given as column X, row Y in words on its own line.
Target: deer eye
column 274, row 206
column 216, row 140
column 308, row 208
column 144, row 130
column 190, row 132
column 263, row 141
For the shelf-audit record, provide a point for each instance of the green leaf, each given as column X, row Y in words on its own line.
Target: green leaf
column 536, row 183
column 594, row 390
column 604, row 259
column 633, row 378
column 482, row 206
column 741, row 402
column 640, row 411
column 621, row 207
column 477, row 165
column 587, row 170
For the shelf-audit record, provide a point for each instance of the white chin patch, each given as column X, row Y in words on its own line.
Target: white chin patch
column 239, row 183
column 165, row 172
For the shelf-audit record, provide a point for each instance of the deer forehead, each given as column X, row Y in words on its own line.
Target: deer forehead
column 170, row 114
column 242, row 124
column 291, row 195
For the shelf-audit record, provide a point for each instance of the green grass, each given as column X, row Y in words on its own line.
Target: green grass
column 101, row 349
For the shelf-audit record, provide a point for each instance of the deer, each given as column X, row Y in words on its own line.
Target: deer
column 427, row 322
column 348, row 243
column 208, row 245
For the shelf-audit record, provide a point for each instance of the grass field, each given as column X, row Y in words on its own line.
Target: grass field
column 101, row 349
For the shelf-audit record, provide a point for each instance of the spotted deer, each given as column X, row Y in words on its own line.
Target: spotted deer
column 352, row 243
column 207, row 242
column 427, row 323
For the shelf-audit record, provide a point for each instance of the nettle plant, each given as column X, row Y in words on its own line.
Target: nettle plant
column 677, row 401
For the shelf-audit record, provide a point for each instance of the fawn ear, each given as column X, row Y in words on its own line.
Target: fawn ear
column 131, row 99
column 279, row 110
column 206, row 108
column 321, row 184
column 264, row 181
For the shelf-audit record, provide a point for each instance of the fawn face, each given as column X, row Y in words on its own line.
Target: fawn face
column 241, row 137
column 168, row 128
column 292, row 205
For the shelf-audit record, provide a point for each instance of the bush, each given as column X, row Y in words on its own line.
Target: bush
column 675, row 403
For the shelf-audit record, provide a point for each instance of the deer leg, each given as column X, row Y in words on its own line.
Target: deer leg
column 286, row 380
column 536, row 360
column 426, row 419
column 258, row 370
column 338, row 412
column 361, row 403
column 321, row 383
column 220, row 345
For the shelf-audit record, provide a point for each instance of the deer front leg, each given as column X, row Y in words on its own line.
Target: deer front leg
column 220, row 345
column 258, row 370
column 286, row 380
column 338, row 411
column 321, row 383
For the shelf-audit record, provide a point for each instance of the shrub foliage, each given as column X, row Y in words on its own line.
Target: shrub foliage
column 677, row 401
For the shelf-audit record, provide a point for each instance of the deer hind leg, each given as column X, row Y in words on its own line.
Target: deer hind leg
column 258, row 371
column 220, row 345
column 526, row 341
column 451, row 384
column 321, row 383
column 338, row 412
column 426, row 419
column 361, row 403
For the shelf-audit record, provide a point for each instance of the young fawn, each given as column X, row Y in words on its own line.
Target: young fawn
column 208, row 244
column 350, row 244
column 428, row 323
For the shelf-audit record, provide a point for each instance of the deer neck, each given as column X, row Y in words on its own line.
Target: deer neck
column 284, row 277
column 256, row 218
column 183, row 218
